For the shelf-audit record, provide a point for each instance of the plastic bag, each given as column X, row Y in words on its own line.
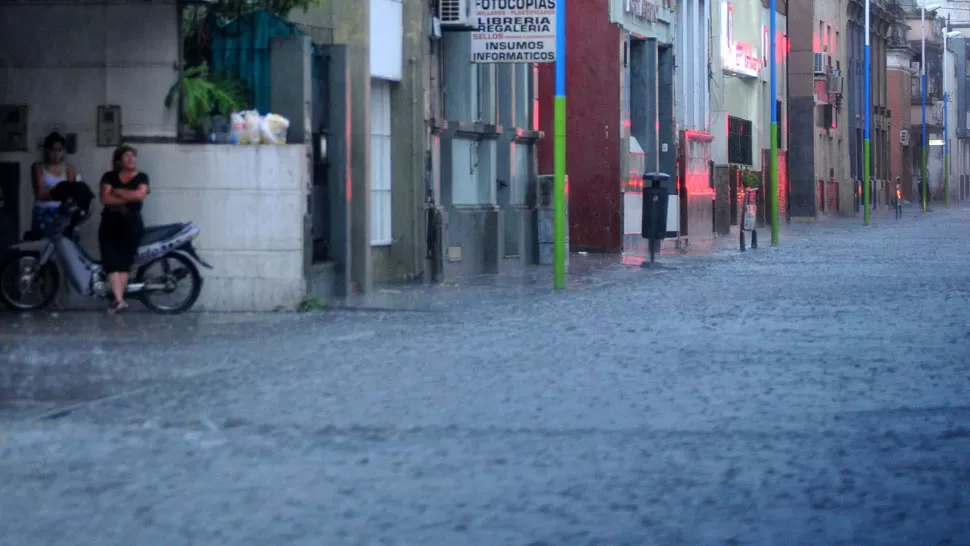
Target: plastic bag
column 273, row 129
column 253, row 123
column 237, row 129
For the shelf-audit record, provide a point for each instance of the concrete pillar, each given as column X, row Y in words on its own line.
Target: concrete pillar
column 350, row 22
column 643, row 100
column 409, row 148
column 665, row 112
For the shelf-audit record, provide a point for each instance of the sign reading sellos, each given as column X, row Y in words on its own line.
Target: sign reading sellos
column 514, row 31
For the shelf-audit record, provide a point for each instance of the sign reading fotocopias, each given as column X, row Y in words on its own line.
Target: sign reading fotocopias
column 514, row 31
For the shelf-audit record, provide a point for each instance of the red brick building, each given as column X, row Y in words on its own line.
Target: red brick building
column 902, row 141
column 592, row 126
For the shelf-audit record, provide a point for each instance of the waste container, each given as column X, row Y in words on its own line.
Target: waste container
column 653, row 225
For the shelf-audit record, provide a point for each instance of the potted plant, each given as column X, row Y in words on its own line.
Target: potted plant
column 750, row 180
column 202, row 95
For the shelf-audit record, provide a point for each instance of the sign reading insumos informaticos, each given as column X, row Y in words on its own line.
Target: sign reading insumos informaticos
column 514, row 31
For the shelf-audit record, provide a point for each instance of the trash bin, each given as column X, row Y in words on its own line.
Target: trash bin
column 654, row 220
column 653, row 225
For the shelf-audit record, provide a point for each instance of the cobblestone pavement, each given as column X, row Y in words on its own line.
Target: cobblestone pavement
column 811, row 393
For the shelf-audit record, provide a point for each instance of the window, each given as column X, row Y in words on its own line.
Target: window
column 486, row 85
column 739, row 141
column 523, row 96
column 380, row 163
column 522, row 171
column 473, row 171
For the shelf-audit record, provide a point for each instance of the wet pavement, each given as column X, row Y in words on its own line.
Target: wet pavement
column 812, row 393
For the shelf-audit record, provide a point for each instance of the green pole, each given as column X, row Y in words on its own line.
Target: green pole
column 773, row 101
column 923, row 181
column 865, row 182
column 946, row 135
column 559, row 152
column 559, row 194
column 946, row 177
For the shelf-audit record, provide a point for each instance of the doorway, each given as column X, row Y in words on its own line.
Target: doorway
column 9, row 205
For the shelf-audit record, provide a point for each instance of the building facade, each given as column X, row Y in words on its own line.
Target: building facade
column 483, row 137
column 880, row 20
column 593, row 133
column 932, row 32
column 387, row 51
column 959, row 108
column 900, row 74
column 648, row 132
column 695, row 187
column 741, row 104
column 249, row 201
column 821, row 180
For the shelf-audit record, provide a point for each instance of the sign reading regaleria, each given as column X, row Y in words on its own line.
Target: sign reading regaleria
column 514, row 31
column 736, row 57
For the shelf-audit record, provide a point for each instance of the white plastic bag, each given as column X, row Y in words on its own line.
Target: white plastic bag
column 237, row 129
column 253, row 122
column 273, row 129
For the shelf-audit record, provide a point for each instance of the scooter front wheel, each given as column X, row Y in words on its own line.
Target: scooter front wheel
column 23, row 285
column 165, row 277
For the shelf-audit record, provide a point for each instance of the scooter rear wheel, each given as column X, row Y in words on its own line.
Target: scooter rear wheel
column 18, row 282
column 184, row 271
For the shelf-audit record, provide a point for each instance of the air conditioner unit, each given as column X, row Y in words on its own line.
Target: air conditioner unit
column 819, row 63
column 456, row 14
column 835, row 85
column 904, row 137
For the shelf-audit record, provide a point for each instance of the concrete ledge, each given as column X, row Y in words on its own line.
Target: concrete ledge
column 250, row 294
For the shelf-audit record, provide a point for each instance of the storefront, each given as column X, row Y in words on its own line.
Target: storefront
column 648, row 132
column 742, row 106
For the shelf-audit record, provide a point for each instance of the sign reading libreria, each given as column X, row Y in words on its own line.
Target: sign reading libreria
column 514, row 31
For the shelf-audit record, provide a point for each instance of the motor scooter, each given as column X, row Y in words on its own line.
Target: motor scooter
column 30, row 272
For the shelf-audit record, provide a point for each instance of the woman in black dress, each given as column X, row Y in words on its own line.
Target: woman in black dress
column 122, row 192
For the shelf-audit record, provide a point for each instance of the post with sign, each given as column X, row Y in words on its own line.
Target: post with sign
column 532, row 31
column 773, row 180
column 559, row 195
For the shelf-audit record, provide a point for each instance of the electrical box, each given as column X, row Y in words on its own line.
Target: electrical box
column 13, row 128
column 109, row 126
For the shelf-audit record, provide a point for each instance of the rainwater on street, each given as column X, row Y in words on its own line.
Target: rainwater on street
column 817, row 392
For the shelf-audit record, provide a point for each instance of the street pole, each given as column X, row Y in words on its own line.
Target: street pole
column 867, row 121
column 924, row 182
column 946, row 126
column 773, row 182
column 559, row 168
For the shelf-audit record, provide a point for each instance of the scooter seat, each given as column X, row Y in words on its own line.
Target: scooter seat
column 154, row 234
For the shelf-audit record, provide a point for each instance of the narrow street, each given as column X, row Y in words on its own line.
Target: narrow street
column 813, row 393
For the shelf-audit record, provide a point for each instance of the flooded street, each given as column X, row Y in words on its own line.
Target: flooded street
column 812, row 393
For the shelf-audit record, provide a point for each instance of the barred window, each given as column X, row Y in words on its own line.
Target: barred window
column 739, row 141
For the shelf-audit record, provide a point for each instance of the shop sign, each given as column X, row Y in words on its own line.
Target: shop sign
column 736, row 57
column 514, row 31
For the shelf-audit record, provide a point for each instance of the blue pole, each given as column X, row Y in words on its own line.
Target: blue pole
column 924, row 183
column 773, row 180
column 559, row 154
column 924, row 180
column 865, row 147
column 946, row 141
